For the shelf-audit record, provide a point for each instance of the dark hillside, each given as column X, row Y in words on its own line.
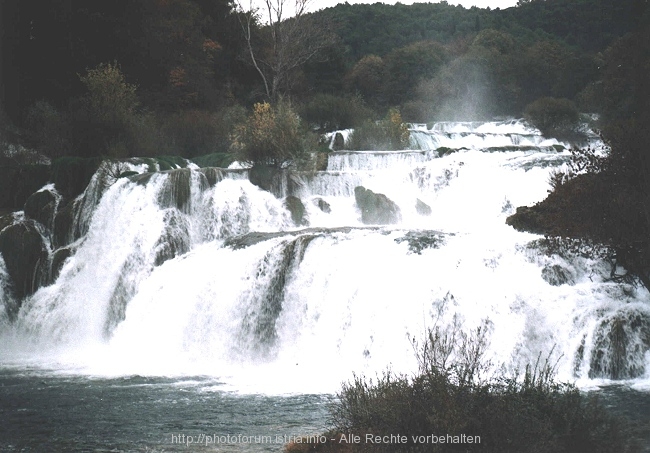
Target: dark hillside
column 590, row 25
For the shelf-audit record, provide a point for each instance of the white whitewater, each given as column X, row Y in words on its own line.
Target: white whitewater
column 162, row 283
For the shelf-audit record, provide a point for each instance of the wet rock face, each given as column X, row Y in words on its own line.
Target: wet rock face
column 297, row 209
column 323, row 205
column 339, row 142
column 263, row 176
column 620, row 345
column 41, row 206
column 376, row 208
column 25, row 254
column 175, row 240
column 63, row 233
column 58, row 259
column 556, row 275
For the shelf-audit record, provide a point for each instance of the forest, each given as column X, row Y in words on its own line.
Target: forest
column 147, row 77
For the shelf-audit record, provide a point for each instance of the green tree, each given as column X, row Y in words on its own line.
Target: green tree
column 110, row 98
column 406, row 66
column 390, row 133
column 367, row 78
column 106, row 113
column 554, row 117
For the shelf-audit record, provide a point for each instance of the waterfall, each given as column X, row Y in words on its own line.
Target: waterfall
column 199, row 271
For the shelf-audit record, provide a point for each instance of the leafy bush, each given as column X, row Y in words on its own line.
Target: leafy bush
column 451, row 395
column 389, row 134
column 330, row 113
column 105, row 119
column 110, row 99
column 553, row 117
column 273, row 136
column 193, row 133
column 368, row 78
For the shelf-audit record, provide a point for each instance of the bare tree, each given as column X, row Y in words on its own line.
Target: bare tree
column 290, row 38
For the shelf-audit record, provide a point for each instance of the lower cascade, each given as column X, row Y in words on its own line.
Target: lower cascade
column 199, row 272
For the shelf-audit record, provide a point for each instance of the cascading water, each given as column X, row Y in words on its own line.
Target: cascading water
column 198, row 272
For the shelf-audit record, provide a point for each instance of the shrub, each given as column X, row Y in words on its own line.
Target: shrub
column 329, row 113
column 450, row 395
column 553, row 117
column 272, row 135
column 110, row 99
column 389, row 134
column 105, row 119
column 48, row 129
column 192, row 133
column 368, row 78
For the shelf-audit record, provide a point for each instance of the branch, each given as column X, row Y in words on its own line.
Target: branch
column 247, row 29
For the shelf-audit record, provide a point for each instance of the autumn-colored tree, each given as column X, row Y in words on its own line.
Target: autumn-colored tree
column 273, row 136
column 110, row 99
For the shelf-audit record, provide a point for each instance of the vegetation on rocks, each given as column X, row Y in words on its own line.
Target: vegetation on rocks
column 453, row 394
column 390, row 133
column 605, row 197
column 554, row 117
column 272, row 136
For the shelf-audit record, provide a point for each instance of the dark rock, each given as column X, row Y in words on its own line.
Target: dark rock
column 263, row 176
column 175, row 239
column 58, row 259
column 620, row 345
column 176, row 190
column 41, row 206
column 529, row 219
column 323, row 205
column 258, row 332
column 63, row 226
column 557, row 275
column 288, row 180
column 71, row 175
column 142, row 179
column 7, row 220
column 421, row 240
column 213, row 175
column 422, row 208
column 249, row 239
column 25, row 255
column 444, row 151
column 376, row 208
column 339, row 142
column 128, row 174
column 297, row 210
